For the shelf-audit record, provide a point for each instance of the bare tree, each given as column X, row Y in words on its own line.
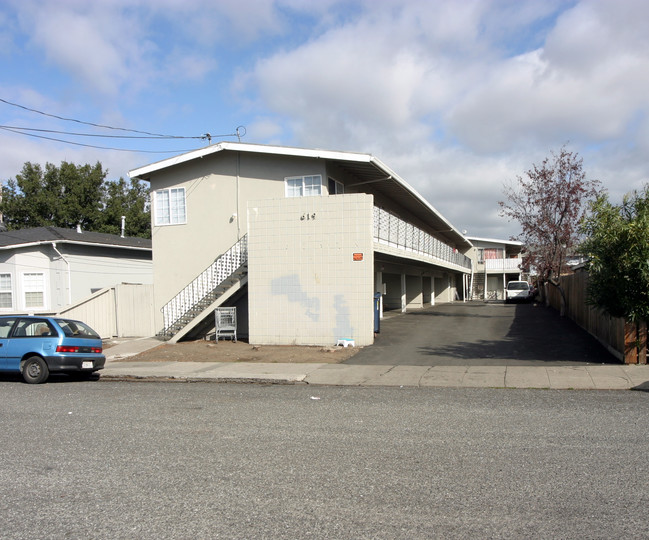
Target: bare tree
column 549, row 202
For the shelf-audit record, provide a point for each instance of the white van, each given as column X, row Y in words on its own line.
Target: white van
column 518, row 291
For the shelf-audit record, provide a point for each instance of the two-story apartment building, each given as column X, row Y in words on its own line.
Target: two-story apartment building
column 495, row 263
column 299, row 240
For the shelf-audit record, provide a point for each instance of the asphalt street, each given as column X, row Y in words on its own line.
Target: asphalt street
column 179, row 460
column 483, row 334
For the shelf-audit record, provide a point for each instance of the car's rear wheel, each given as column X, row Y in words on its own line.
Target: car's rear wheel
column 35, row 370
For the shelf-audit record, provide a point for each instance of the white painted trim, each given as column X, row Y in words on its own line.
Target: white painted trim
column 495, row 241
column 59, row 241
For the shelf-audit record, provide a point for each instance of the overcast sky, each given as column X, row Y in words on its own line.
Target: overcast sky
column 458, row 97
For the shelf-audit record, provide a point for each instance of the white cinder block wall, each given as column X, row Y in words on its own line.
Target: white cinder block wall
column 304, row 285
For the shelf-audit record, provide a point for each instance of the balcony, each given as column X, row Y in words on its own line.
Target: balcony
column 503, row 265
column 392, row 231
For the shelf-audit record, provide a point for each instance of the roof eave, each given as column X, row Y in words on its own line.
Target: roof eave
column 496, row 241
column 61, row 241
column 144, row 173
column 463, row 240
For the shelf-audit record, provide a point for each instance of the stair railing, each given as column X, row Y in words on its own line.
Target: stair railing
column 203, row 287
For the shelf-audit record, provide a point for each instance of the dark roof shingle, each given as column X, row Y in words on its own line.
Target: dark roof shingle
column 60, row 234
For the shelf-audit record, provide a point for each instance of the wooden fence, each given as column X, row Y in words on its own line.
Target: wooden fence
column 626, row 341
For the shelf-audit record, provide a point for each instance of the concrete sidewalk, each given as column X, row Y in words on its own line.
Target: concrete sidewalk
column 583, row 377
column 589, row 377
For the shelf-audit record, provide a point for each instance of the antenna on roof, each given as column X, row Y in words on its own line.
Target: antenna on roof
column 241, row 132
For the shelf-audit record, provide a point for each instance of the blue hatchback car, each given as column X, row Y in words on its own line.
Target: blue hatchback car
column 36, row 346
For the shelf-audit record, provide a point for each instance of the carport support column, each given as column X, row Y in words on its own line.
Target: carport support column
column 432, row 290
column 403, row 293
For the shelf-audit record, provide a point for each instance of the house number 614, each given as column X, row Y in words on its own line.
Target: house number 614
column 307, row 217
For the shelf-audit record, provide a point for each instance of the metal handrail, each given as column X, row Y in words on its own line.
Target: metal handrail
column 395, row 232
column 205, row 284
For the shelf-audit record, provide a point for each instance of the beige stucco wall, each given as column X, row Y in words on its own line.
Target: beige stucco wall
column 304, row 285
column 217, row 190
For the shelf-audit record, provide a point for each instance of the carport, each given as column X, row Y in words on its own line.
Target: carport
column 407, row 285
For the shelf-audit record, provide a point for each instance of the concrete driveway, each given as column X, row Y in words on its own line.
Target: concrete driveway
column 482, row 334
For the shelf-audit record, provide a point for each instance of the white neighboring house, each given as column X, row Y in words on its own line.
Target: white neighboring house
column 45, row 269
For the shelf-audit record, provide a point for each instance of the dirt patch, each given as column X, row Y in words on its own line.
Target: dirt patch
column 226, row 351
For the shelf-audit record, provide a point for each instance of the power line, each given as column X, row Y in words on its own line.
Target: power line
column 142, row 134
column 76, row 134
column 81, row 121
column 95, row 146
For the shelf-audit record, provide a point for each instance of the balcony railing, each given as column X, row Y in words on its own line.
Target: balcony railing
column 394, row 232
column 503, row 265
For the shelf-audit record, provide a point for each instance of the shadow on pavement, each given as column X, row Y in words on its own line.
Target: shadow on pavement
column 480, row 334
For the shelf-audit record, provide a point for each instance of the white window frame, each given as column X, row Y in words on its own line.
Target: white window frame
column 303, row 186
column 173, row 211
column 9, row 290
column 29, row 288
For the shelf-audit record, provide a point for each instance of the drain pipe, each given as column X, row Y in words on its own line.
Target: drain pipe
column 69, row 273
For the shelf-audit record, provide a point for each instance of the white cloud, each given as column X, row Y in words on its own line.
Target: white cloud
column 457, row 97
column 445, row 94
column 587, row 84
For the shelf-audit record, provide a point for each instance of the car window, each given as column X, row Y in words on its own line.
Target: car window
column 5, row 327
column 518, row 286
column 76, row 329
column 34, row 328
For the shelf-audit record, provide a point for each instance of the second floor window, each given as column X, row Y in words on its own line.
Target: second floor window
column 304, row 186
column 170, row 206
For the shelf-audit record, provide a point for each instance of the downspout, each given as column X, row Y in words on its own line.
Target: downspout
column 238, row 213
column 69, row 272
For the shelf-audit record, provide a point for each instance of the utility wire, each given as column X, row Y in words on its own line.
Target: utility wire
column 143, row 134
column 81, row 121
column 94, row 146
column 203, row 137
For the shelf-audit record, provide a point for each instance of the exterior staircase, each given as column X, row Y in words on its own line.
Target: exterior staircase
column 478, row 288
column 192, row 305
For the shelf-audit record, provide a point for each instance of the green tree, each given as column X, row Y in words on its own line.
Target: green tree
column 71, row 195
column 132, row 202
column 617, row 244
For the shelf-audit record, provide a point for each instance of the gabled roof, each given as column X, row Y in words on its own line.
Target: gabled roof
column 59, row 235
column 365, row 167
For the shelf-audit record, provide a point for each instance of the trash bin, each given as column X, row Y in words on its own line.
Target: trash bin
column 377, row 312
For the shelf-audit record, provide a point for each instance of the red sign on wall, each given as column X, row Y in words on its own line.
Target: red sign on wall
column 358, row 256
